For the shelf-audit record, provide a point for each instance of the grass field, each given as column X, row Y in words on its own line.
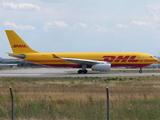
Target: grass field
column 131, row 98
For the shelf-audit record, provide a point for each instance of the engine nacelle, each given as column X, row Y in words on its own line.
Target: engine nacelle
column 101, row 67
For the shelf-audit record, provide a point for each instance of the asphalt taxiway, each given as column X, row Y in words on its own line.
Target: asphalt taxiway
column 62, row 72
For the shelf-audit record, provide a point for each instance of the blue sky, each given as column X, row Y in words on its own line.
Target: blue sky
column 82, row 25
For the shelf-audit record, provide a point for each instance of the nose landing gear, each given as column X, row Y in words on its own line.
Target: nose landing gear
column 140, row 71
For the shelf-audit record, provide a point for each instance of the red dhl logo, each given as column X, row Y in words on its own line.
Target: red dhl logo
column 19, row 46
column 120, row 59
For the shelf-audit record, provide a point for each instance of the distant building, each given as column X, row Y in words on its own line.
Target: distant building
column 6, row 61
column 9, row 63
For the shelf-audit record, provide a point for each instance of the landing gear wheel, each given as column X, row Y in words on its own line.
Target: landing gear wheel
column 85, row 71
column 80, row 71
column 140, row 71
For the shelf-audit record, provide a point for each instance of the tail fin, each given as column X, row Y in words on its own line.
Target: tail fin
column 17, row 44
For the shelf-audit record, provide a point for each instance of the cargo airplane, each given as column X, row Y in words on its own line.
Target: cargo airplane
column 96, row 61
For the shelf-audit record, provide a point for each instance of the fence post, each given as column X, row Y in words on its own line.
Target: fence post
column 107, row 94
column 12, row 102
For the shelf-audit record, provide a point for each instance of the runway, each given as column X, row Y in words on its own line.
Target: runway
column 62, row 72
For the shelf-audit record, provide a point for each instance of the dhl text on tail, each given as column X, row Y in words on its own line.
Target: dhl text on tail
column 95, row 61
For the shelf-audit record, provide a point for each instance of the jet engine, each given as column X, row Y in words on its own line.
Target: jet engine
column 101, row 67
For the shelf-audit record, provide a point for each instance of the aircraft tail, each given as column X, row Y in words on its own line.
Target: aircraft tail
column 17, row 44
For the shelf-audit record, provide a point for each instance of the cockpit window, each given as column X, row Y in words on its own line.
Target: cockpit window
column 151, row 56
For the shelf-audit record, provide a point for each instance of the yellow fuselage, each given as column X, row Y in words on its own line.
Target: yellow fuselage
column 116, row 59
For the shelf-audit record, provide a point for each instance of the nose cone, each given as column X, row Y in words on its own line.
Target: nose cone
column 156, row 60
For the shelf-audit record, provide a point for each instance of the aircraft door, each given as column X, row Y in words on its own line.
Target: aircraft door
column 142, row 58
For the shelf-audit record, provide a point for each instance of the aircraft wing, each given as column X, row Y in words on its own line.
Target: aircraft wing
column 81, row 61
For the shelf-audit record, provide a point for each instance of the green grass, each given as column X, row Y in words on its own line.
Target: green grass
column 86, row 110
column 136, row 109
column 131, row 98
column 69, row 109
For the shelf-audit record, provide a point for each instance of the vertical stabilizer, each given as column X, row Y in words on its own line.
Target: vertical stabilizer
column 17, row 44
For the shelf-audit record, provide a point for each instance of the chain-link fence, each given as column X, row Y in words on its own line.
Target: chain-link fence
column 145, row 106
column 53, row 109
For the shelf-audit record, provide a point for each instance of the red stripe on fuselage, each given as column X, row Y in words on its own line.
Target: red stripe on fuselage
column 46, row 60
column 129, row 65
column 150, row 60
column 64, row 65
column 112, row 65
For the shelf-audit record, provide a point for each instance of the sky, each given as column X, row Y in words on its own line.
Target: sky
column 82, row 25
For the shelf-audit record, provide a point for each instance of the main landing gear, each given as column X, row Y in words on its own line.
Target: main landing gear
column 84, row 71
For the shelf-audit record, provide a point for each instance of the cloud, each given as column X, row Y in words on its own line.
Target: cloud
column 22, row 27
column 56, row 0
column 49, row 11
column 60, row 24
column 20, row 6
column 92, row 9
column 81, row 25
column 139, row 23
column 153, row 11
column 55, row 23
column 153, row 7
column 100, row 28
column 121, row 26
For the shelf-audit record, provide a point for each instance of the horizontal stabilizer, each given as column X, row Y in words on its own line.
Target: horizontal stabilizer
column 22, row 56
